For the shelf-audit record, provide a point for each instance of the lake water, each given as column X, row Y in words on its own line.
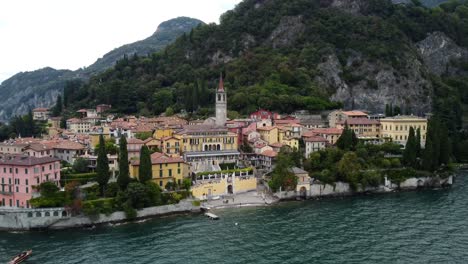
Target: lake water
column 411, row 227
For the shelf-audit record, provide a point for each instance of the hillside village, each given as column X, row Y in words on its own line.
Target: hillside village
column 218, row 156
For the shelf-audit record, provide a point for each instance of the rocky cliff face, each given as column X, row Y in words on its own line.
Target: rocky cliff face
column 365, row 84
column 441, row 54
column 40, row 88
column 28, row 90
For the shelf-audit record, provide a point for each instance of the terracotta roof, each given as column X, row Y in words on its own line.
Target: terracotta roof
column 315, row 139
column 315, row 131
column 354, row 113
column 277, row 145
column 200, row 128
column 23, row 160
column 68, row 145
column 134, row 141
column 359, row 121
column 269, row 153
column 267, row 128
column 221, row 83
column 287, row 121
column 160, row 158
column 41, row 109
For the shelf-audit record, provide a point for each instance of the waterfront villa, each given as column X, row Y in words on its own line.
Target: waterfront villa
column 397, row 128
column 208, row 184
column 18, row 175
column 165, row 169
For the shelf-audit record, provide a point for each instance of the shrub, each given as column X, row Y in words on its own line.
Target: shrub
column 130, row 212
column 101, row 206
column 112, row 189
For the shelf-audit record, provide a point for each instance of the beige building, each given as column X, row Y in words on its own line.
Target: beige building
column 341, row 116
column 397, row 128
column 364, row 128
column 41, row 114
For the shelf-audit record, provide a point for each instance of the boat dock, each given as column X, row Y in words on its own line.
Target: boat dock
column 212, row 216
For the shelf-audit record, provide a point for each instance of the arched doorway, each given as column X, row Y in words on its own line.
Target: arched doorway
column 303, row 192
column 230, row 189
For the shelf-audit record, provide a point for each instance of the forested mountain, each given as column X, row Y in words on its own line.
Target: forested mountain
column 166, row 33
column 428, row 3
column 299, row 54
column 41, row 87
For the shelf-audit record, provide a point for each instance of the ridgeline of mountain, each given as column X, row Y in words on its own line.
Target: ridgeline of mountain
column 166, row 33
column 299, row 54
column 40, row 88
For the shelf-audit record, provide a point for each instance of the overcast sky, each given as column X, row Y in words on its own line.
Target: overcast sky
column 70, row 34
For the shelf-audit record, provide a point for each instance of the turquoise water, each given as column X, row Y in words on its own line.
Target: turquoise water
column 412, row 227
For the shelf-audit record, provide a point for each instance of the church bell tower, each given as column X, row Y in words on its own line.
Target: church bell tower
column 221, row 104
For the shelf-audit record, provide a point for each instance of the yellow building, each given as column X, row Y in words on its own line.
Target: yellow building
column 362, row 127
column 397, row 128
column 165, row 169
column 203, row 145
column 289, row 135
column 163, row 132
column 171, row 145
column 269, row 134
column 224, row 183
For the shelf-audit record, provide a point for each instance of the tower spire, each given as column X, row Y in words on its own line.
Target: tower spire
column 221, row 83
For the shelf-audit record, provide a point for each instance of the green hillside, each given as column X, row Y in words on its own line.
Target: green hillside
column 296, row 54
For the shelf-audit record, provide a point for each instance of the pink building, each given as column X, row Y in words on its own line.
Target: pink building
column 18, row 175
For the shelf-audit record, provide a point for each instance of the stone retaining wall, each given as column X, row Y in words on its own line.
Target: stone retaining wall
column 343, row 189
column 35, row 219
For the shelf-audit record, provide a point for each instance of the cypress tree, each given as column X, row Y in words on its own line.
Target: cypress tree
column 418, row 142
column 428, row 154
column 145, row 170
column 58, row 106
column 445, row 147
column 410, row 155
column 348, row 139
column 102, row 167
column 124, row 176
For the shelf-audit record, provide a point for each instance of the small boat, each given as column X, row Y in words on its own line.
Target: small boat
column 20, row 258
column 212, row 216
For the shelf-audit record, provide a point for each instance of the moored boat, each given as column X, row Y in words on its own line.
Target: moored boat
column 20, row 258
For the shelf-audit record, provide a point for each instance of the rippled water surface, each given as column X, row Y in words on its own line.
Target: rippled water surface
column 413, row 227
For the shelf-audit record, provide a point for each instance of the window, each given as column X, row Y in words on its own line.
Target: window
column 160, row 173
column 170, row 172
column 43, row 168
column 178, row 171
column 161, row 183
column 50, row 167
column 16, row 170
column 25, row 171
column 17, row 189
column 27, row 189
column 27, row 182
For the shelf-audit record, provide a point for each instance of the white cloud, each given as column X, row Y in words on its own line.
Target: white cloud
column 74, row 33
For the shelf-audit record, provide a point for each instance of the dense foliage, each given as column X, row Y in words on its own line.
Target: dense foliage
column 124, row 173
column 102, row 166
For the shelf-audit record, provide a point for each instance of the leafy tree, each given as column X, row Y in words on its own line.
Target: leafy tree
column 282, row 176
column 80, row 165
column 102, row 167
column 110, row 146
column 187, row 184
column 137, row 195
column 124, row 173
column 349, row 167
column 169, row 111
column 145, row 171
